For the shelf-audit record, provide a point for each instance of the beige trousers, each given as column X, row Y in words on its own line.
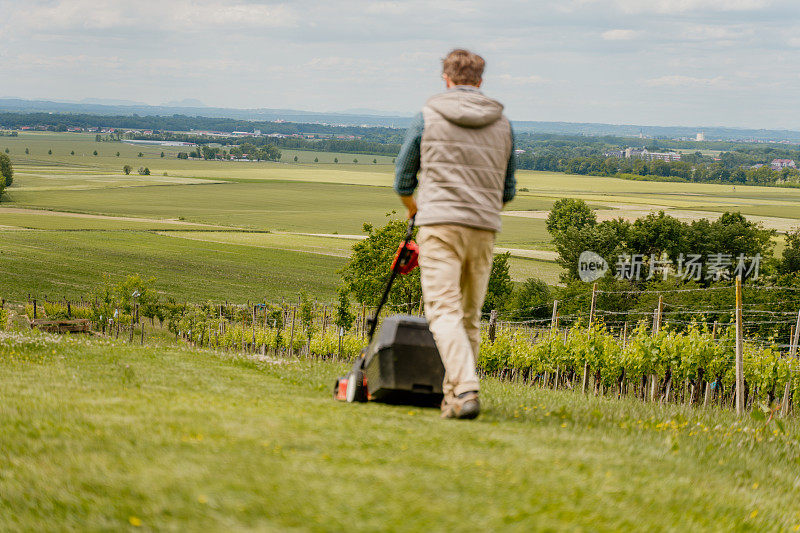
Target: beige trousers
column 455, row 263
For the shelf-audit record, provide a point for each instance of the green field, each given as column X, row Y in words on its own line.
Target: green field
column 66, row 264
column 102, row 436
column 55, row 195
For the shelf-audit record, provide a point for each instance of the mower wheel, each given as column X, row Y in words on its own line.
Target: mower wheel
column 355, row 387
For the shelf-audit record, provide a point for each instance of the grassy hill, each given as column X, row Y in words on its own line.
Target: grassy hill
column 101, row 435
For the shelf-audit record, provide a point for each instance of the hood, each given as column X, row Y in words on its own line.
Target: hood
column 466, row 108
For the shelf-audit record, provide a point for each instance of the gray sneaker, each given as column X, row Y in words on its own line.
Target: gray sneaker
column 465, row 406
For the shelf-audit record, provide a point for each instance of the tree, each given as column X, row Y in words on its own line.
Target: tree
column 368, row 270
column 656, row 234
column 335, row 159
column 183, row 155
column 162, row 154
column 344, row 317
column 790, row 262
column 50, row 152
column 531, row 300
column 355, row 161
column 144, row 171
column 209, row 152
column 569, row 213
column 95, row 152
column 117, row 154
column 316, row 160
column 295, row 159
column 500, row 285
column 606, row 239
column 6, row 171
column 27, row 152
column 72, row 152
column 374, row 161
column 141, row 154
column 8, row 151
column 127, row 169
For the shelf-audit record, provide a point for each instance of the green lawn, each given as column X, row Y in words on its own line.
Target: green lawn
column 101, row 436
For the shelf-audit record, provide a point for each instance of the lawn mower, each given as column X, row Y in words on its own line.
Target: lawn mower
column 400, row 364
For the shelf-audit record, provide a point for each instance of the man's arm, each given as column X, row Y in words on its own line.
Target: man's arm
column 408, row 163
column 510, row 186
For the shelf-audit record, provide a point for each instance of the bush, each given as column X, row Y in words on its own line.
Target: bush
column 6, row 171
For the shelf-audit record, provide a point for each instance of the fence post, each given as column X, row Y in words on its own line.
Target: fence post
column 291, row 338
column 492, row 325
column 625, row 335
column 792, row 353
column 34, row 308
column 364, row 320
column 739, row 349
column 658, row 316
column 585, row 380
column 142, row 333
column 554, row 319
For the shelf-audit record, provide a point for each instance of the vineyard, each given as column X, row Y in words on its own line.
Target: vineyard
column 671, row 354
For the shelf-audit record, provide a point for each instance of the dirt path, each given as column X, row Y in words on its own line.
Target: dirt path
column 44, row 212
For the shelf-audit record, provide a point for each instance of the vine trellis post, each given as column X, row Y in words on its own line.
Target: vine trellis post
column 740, row 392
column 592, row 307
column 787, row 394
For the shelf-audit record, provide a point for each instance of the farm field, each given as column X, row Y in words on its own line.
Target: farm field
column 70, row 263
column 109, row 436
column 190, row 202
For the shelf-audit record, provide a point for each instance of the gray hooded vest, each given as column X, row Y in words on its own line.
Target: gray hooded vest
column 465, row 148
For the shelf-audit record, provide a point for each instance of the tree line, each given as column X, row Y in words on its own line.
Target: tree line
column 60, row 122
column 348, row 146
column 690, row 169
column 658, row 238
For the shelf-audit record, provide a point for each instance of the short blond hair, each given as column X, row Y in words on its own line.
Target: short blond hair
column 463, row 67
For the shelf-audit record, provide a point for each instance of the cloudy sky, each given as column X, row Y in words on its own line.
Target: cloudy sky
column 654, row 62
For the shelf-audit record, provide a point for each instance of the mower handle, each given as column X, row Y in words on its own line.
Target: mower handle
column 373, row 322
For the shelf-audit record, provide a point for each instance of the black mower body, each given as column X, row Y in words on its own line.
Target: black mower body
column 402, row 364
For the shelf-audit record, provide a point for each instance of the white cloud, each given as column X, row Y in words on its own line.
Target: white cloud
column 620, row 35
column 676, row 80
column 522, row 80
column 65, row 17
column 708, row 32
column 684, row 6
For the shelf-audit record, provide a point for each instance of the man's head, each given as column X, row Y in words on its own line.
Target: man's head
column 462, row 67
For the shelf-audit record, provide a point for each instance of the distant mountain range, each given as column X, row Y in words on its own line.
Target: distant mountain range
column 366, row 117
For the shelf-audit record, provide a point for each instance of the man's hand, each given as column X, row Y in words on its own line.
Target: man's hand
column 411, row 205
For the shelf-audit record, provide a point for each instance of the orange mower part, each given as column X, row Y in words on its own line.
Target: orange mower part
column 407, row 256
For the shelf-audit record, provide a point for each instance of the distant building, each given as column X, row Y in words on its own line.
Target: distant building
column 700, row 137
column 646, row 155
column 780, row 164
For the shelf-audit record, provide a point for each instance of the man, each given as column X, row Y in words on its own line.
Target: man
column 460, row 151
